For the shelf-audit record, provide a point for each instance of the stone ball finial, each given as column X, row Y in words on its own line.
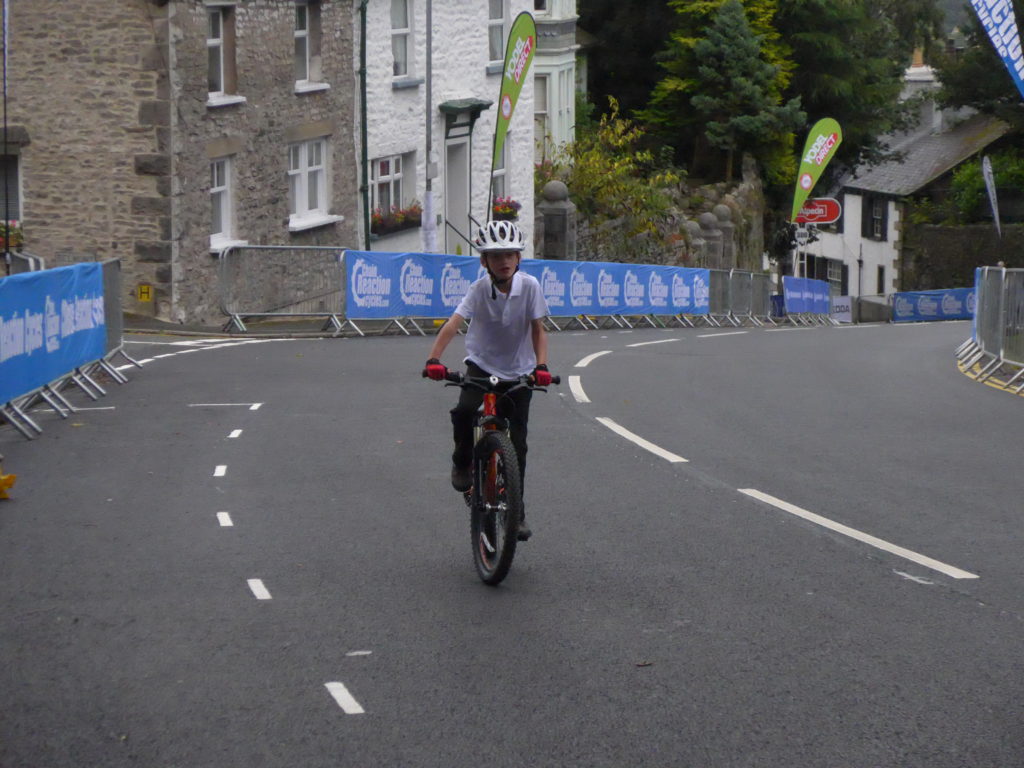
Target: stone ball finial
column 554, row 191
column 708, row 221
column 693, row 228
column 722, row 212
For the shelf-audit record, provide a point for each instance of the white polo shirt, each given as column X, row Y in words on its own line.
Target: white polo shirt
column 498, row 339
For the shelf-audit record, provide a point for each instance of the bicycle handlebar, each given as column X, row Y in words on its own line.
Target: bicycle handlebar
column 484, row 382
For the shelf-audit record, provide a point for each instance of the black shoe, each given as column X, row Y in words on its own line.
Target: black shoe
column 524, row 530
column 462, row 478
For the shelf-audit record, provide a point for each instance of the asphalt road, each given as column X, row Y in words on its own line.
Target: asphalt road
column 832, row 577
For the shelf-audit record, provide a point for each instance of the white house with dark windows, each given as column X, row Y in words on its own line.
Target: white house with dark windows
column 861, row 254
column 554, row 100
column 431, row 94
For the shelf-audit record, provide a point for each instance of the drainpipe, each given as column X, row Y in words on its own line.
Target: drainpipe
column 364, row 188
column 429, row 220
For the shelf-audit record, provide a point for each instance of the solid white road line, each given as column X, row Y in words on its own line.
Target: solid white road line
column 577, row 390
column 359, row 653
column 344, row 698
column 648, row 343
column 712, row 335
column 647, row 446
column 261, row 592
column 866, row 538
column 220, row 470
column 234, row 433
column 590, row 358
column 224, row 519
column 225, row 405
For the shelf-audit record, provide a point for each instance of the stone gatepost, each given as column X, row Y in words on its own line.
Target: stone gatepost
column 713, row 235
column 698, row 245
column 556, row 224
column 724, row 215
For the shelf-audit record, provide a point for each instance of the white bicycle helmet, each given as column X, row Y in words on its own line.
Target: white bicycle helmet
column 500, row 236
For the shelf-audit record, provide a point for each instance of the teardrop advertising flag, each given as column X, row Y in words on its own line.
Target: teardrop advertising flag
column 519, row 50
column 822, row 142
column 997, row 18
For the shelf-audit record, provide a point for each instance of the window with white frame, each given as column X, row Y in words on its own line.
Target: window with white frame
column 307, row 179
column 496, row 12
column 389, row 187
column 401, row 37
column 302, row 42
column 540, row 6
column 215, row 51
column 221, row 228
column 541, row 131
column 221, row 76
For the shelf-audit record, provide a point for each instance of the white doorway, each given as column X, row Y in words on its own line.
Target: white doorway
column 456, row 197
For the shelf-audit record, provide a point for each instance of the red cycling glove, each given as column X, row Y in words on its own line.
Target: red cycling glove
column 541, row 376
column 435, row 370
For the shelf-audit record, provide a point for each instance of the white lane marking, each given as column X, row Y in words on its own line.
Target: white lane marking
column 779, row 330
column 648, row 343
column 712, row 335
column 866, row 538
column 910, row 577
column 224, row 519
column 223, row 405
column 577, row 390
column 234, row 433
column 261, row 592
column 359, row 653
column 647, row 446
column 220, row 470
column 168, row 354
column 590, row 358
column 345, row 699
column 255, row 406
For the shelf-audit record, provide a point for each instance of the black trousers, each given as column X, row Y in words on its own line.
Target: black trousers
column 514, row 407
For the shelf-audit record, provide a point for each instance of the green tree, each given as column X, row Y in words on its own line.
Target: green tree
column 621, row 40
column 848, row 64
column 671, row 112
column 736, row 99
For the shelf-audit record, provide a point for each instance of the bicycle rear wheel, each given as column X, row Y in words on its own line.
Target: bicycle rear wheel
column 494, row 517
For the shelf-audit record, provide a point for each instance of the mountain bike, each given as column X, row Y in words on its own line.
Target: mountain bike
column 495, row 500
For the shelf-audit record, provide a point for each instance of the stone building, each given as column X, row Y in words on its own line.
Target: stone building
column 161, row 131
column 432, row 92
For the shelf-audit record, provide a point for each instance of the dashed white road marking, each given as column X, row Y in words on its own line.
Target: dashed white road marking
column 220, row 470
column 577, row 390
column 260, row 591
column 590, row 358
column 727, row 333
column 224, row 519
column 255, row 406
column 359, row 653
column 646, row 445
column 345, row 699
column 234, row 433
column 913, row 578
column 866, row 538
column 250, row 406
column 648, row 343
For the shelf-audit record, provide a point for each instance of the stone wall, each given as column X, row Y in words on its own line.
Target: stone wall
column 85, row 79
column 255, row 134
column 945, row 257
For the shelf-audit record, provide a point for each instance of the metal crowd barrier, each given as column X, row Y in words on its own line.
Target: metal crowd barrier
column 284, row 282
column 16, row 413
column 23, row 261
column 998, row 337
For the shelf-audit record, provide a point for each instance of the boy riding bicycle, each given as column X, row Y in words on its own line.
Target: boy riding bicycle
column 506, row 338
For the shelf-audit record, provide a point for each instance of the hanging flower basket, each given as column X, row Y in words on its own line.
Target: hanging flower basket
column 10, row 235
column 505, row 209
column 395, row 219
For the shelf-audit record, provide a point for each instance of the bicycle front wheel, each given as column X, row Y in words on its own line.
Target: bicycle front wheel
column 494, row 518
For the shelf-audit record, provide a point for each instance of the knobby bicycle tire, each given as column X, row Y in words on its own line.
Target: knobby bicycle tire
column 494, row 515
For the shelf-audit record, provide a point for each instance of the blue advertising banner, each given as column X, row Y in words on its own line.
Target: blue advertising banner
column 803, row 295
column 921, row 306
column 997, row 18
column 391, row 285
column 51, row 322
